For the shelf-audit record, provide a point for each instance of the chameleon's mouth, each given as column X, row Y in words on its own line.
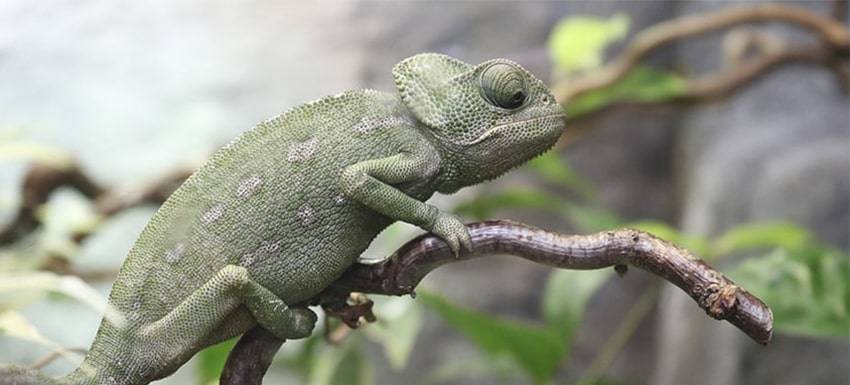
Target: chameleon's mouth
column 557, row 120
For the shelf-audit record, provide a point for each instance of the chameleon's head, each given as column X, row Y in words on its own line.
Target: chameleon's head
column 486, row 119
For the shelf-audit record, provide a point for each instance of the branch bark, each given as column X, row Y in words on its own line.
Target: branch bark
column 401, row 273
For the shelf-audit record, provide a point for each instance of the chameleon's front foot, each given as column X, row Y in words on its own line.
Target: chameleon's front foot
column 453, row 232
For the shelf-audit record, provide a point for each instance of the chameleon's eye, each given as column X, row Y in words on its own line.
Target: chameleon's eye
column 503, row 85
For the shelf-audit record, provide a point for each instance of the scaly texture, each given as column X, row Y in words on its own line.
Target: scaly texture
column 281, row 212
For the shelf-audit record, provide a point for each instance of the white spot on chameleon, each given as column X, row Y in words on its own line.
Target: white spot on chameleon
column 302, row 151
column 307, row 214
column 173, row 255
column 213, row 213
column 247, row 186
column 339, row 200
column 247, row 260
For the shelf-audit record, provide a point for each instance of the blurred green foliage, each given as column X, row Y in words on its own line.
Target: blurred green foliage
column 806, row 284
column 643, row 84
column 578, row 43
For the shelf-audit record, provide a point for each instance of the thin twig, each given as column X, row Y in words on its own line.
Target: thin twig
column 832, row 32
column 719, row 84
column 402, row 272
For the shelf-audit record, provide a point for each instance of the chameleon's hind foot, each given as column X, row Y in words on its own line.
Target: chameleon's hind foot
column 275, row 316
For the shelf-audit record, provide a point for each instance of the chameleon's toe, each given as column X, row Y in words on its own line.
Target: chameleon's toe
column 301, row 322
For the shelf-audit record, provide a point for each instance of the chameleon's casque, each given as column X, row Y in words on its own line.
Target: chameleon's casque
column 282, row 211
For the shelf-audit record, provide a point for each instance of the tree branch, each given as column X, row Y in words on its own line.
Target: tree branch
column 832, row 33
column 402, row 272
column 250, row 358
column 41, row 180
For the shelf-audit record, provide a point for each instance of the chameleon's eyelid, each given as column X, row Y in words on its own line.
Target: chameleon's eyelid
column 500, row 82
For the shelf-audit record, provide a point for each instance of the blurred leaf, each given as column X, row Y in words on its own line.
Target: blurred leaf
column 483, row 207
column 590, row 218
column 210, row 361
column 808, row 289
column 551, row 167
column 566, row 296
column 697, row 245
column 399, row 322
column 642, row 84
column 300, row 356
column 33, row 152
column 578, row 42
column 341, row 365
column 537, row 350
column 585, row 217
column 761, row 235
column 13, row 324
column 20, row 288
column 477, row 368
column 66, row 214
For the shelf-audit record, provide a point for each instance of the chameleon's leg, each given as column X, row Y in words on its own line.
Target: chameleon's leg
column 203, row 311
column 369, row 182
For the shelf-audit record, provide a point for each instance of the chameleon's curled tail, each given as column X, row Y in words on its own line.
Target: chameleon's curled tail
column 16, row 375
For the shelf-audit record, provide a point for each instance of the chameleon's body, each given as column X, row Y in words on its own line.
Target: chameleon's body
column 281, row 212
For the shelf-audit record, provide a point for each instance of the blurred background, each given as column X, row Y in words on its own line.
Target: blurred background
column 729, row 134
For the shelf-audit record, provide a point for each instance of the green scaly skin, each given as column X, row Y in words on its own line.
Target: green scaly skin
column 282, row 211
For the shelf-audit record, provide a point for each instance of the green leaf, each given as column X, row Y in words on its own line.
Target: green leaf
column 566, row 296
column 577, row 43
column 808, row 289
column 210, row 361
column 483, row 207
column 399, row 322
column 642, row 84
column 590, row 218
column 761, row 235
column 551, row 167
column 300, row 357
column 537, row 350
column 584, row 217
column 342, row 365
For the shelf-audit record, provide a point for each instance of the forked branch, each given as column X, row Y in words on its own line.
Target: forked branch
column 834, row 35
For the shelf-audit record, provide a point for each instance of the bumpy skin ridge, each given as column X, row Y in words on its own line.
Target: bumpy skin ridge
column 279, row 213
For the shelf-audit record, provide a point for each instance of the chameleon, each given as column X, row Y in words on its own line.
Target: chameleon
column 279, row 213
